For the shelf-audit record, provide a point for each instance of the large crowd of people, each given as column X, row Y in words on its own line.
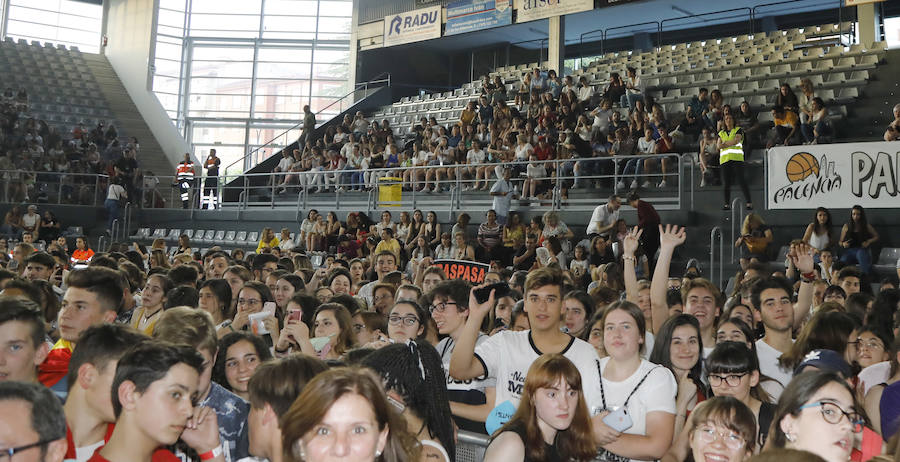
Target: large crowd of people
column 591, row 132
column 349, row 342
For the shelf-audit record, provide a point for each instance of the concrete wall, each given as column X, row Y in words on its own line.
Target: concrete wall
column 130, row 26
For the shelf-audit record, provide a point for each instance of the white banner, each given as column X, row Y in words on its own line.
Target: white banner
column 412, row 26
column 833, row 175
column 530, row 10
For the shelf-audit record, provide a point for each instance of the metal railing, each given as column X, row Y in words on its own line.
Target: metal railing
column 53, row 187
column 356, row 189
column 737, row 219
column 281, row 141
column 713, row 233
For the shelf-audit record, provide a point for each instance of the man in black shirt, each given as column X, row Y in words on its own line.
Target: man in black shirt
column 211, row 183
column 526, row 256
column 127, row 168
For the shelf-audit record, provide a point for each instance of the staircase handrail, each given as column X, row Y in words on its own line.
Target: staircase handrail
column 384, row 77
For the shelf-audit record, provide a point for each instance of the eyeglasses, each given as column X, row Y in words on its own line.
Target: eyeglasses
column 732, row 380
column 871, row 344
column 9, row 452
column 832, row 413
column 407, row 320
column 248, row 301
column 708, row 434
column 440, row 307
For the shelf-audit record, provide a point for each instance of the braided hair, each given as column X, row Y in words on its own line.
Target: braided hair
column 414, row 370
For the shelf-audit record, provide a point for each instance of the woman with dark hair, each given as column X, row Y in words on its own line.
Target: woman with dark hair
column 339, row 281
column 818, row 233
column 823, row 331
column 856, row 238
column 732, row 370
column 414, row 380
column 579, row 309
column 678, row 346
column 734, row 329
column 333, row 321
column 644, row 390
column 884, row 413
column 742, row 312
column 787, row 99
column 817, row 413
column 215, row 299
column 346, row 405
column 251, row 298
column 153, row 298
column 552, row 421
column 239, row 355
column 285, row 287
column 49, row 228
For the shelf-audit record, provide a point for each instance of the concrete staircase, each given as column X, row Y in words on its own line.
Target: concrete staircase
column 151, row 156
column 872, row 112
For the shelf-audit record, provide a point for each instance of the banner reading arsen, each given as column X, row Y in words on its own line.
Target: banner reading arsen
column 833, row 175
column 471, row 271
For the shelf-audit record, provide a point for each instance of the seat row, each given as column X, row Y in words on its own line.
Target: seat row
column 205, row 237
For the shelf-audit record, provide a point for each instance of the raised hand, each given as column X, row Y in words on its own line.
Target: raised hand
column 672, row 236
column 480, row 310
column 801, row 255
column 631, row 241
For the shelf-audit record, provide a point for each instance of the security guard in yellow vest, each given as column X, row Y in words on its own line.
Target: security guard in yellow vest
column 184, row 177
column 731, row 161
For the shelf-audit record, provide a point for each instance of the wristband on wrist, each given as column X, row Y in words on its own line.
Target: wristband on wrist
column 627, row 258
column 212, row 453
column 808, row 277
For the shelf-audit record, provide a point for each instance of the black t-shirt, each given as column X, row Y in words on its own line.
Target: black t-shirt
column 551, row 452
column 526, row 264
column 127, row 165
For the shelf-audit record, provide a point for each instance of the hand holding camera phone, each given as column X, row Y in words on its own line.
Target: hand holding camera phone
column 618, row 420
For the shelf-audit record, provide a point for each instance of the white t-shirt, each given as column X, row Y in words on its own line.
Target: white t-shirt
column 476, row 157
column 602, row 215
column 84, row 453
column 445, row 348
column 768, row 366
column 656, row 393
column 507, row 355
column 501, row 203
column 874, row 374
column 522, row 151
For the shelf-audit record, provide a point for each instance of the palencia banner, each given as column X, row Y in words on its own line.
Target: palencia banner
column 412, row 26
column 530, row 10
column 471, row 271
column 833, row 175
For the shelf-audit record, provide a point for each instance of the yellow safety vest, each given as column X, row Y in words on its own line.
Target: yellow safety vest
column 730, row 153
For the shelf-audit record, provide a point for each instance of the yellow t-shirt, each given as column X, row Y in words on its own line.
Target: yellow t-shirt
column 392, row 246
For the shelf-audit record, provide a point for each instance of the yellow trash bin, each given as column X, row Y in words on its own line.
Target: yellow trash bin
column 390, row 191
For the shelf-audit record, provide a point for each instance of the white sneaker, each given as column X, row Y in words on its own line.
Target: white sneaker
column 703, row 182
column 620, row 185
column 662, row 184
column 646, row 184
column 634, row 184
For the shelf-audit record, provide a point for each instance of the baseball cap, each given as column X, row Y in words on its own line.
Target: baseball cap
column 826, row 360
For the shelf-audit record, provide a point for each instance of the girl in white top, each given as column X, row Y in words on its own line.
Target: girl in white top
column 475, row 156
column 534, row 175
column 523, row 148
column 818, row 233
column 645, row 390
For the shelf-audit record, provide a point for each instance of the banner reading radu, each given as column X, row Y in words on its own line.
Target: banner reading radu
column 833, row 175
column 412, row 26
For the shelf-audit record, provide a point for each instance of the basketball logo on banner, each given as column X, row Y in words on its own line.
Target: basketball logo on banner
column 801, row 166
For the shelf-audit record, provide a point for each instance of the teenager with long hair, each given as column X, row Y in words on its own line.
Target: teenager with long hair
column 552, row 421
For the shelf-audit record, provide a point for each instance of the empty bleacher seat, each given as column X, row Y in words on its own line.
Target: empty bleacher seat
column 887, row 260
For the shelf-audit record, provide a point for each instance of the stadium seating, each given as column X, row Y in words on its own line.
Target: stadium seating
column 744, row 67
column 61, row 88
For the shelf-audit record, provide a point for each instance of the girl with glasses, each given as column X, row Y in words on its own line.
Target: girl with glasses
column 724, row 430
column 406, row 321
column 732, row 370
column 251, row 299
column 817, row 413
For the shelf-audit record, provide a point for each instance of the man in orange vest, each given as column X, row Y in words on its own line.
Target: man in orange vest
column 184, row 178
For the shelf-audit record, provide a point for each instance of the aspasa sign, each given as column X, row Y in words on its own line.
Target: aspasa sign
column 836, row 175
column 530, row 10
column 471, row 271
column 412, row 26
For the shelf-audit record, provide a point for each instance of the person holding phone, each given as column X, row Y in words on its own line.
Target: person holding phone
column 470, row 400
column 638, row 397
